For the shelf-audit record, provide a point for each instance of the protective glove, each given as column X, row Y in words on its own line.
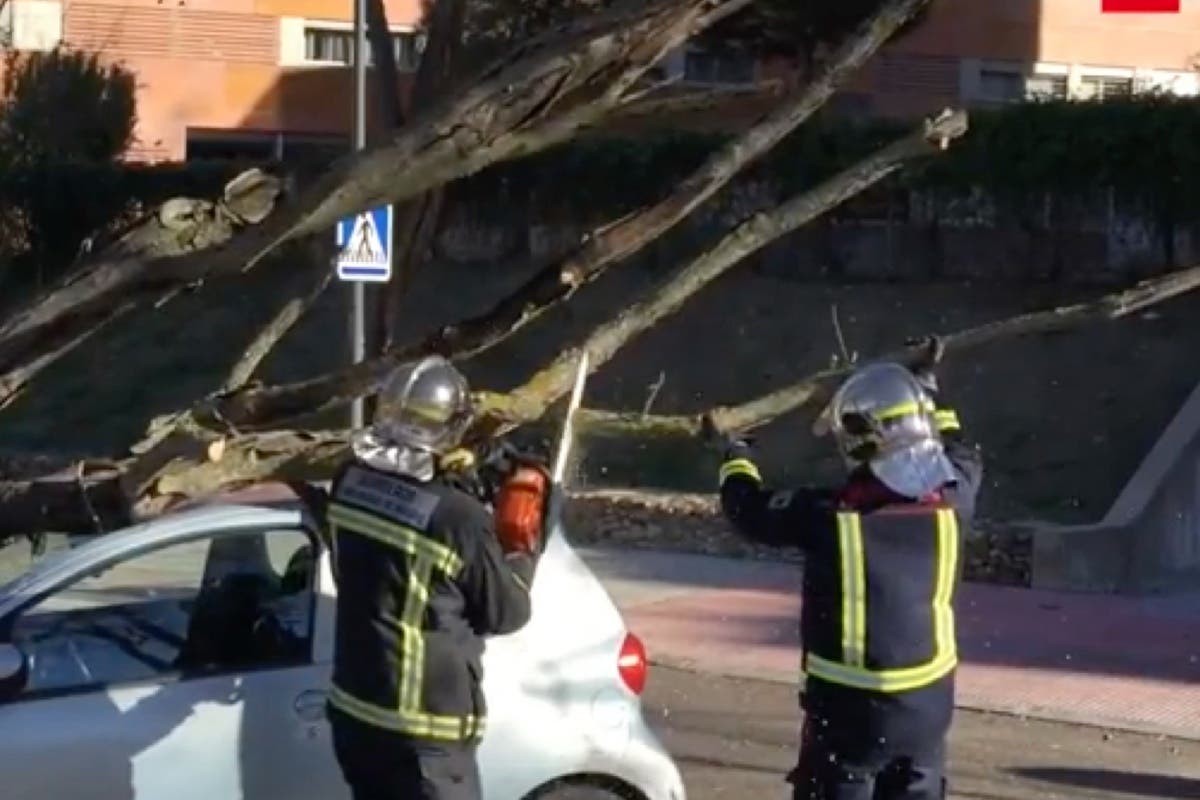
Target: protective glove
column 460, row 459
column 730, row 444
column 734, row 446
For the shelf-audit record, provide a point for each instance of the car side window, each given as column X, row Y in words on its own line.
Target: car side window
column 230, row 602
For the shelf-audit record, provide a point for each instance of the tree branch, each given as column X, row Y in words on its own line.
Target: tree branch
column 45, row 495
column 619, row 240
column 815, row 390
column 542, row 95
column 667, row 103
column 557, row 281
column 13, row 383
column 175, row 232
column 301, row 300
column 531, row 400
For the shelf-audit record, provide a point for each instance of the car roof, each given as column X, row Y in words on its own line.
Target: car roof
column 173, row 526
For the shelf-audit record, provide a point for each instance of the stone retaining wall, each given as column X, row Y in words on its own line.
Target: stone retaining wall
column 692, row 523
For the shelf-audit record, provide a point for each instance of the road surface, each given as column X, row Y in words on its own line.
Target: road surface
column 735, row 739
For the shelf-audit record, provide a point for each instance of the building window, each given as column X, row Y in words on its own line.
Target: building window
column 1046, row 87
column 1094, row 87
column 726, row 67
column 264, row 146
column 336, row 46
column 255, row 146
column 1002, row 86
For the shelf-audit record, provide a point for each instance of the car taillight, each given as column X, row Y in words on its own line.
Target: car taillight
column 631, row 663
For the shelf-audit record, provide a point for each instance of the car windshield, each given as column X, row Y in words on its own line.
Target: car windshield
column 32, row 570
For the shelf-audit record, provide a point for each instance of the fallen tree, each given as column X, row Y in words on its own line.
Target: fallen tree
column 99, row 494
column 541, row 95
column 197, row 451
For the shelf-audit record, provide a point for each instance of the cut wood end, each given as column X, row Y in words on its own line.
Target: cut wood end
column 950, row 124
column 215, row 450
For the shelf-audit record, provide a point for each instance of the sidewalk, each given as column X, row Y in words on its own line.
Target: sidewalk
column 1121, row 662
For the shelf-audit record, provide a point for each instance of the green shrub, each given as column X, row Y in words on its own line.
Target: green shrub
column 1146, row 149
column 65, row 106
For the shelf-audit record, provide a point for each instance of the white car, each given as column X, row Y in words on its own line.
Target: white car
column 188, row 658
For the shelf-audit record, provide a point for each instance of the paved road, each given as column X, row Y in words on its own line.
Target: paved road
column 735, row 739
column 1044, row 654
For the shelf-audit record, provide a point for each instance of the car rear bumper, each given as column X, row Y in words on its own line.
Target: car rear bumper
column 648, row 766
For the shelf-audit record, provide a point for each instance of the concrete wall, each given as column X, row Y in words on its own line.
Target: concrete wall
column 1150, row 539
column 891, row 235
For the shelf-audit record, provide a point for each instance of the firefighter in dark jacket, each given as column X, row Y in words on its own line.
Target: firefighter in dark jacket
column 881, row 568
column 421, row 577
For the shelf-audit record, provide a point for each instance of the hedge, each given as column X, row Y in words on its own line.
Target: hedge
column 1146, row 149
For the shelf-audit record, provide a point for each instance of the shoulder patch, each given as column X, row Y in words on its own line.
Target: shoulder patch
column 387, row 496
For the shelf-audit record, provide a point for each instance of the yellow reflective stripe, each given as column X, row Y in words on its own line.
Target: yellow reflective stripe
column 946, row 420
column 902, row 410
column 396, row 535
column 424, row 556
column 739, row 466
column 412, row 657
column 425, row 726
column 854, row 589
column 943, row 596
column 851, row 672
column 520, row 581
column 890, row 680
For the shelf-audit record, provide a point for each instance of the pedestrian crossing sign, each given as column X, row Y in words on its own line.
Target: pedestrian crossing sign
column 365, row 246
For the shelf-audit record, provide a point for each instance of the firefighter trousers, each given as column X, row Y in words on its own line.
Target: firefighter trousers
column 840, row 771
column 821, row 776
column 381, row 765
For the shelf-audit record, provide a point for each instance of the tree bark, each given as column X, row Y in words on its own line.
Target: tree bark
column 418, row 218
column 558, row 280
column 387, row 75
column 665, row 103
column 542, row 95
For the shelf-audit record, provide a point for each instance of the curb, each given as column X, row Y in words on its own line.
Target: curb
column 1033, row 712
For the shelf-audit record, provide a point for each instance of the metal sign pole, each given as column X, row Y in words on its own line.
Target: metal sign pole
column 358, row 334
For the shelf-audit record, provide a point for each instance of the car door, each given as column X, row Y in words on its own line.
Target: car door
column 179, row 670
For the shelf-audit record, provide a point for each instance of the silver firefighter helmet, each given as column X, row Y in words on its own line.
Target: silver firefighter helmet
column 881, row 416
column 424, row 406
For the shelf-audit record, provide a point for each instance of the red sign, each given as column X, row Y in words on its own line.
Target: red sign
column 1139, row 6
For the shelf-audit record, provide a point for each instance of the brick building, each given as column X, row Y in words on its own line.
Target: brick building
column 217, row 77
column 271, row 77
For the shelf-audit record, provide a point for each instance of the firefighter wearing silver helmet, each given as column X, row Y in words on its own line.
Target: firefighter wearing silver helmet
column 884, row 418
column 882, row 566
column 422, row 578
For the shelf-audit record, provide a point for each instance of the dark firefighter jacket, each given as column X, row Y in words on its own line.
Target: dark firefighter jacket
column 880, row 576
column 421, row 578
